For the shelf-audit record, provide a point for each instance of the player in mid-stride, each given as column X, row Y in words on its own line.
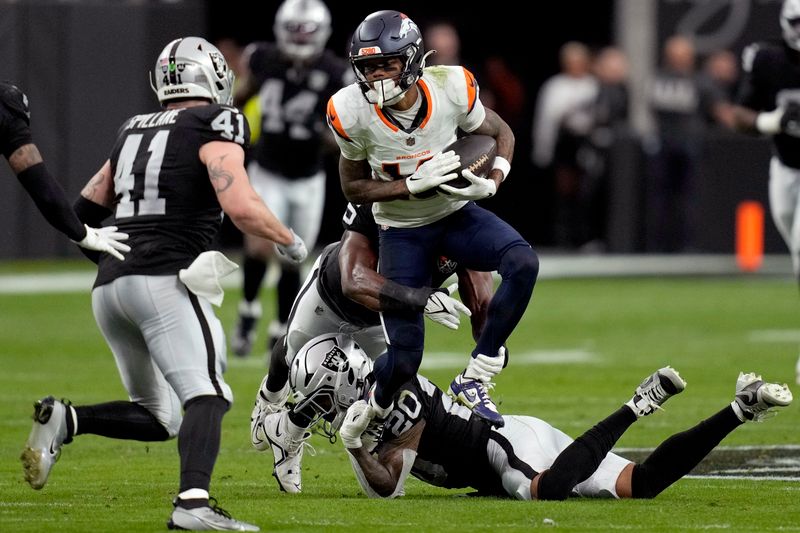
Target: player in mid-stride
column 169, row 177
column 391, row 127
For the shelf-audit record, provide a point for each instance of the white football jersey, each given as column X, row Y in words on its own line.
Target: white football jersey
column 364, row 131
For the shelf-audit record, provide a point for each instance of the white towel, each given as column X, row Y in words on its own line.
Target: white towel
column 203, row 275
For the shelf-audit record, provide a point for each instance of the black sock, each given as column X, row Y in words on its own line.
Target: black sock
column 677, row 455
column 278, row 370
column 254, row 271
column 119, row 420
column 198, row 440
column 303, row 418
column 288, row 285
column 580, row 459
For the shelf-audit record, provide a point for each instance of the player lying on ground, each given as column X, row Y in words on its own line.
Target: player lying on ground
column 344, row 293
column 445, row 445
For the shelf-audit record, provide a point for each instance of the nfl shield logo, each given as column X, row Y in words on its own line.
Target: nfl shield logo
column 410, row 141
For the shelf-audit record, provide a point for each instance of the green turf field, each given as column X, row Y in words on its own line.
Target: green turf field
column 581, row 349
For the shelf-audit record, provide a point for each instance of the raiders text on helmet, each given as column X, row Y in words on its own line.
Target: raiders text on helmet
column 191, row 67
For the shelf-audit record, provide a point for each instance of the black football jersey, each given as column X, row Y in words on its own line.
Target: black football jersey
column 452, row 450
column 772, row 78
column 164, row 199
column 14, row 119
column 359, row 218
column 292, row 104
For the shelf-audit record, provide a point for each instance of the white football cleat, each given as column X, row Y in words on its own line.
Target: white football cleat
column 207, row 518
column 656, row 389
column 43, row 447
column 261, row 409
column 756, row 398
column 287, row 451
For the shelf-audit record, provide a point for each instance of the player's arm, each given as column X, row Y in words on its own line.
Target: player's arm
column 383, row 475
column 45, row 191
column 225, row 164
column 359, row 187
column 496, row 127
column 476, row 290
column 744, row 119
column 358, row 262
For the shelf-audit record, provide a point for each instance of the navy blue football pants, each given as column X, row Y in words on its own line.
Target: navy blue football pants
column 478, row 240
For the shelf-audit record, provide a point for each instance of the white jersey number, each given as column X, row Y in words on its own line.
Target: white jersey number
column 290, row 116
column 404, row 414
column 147, row 202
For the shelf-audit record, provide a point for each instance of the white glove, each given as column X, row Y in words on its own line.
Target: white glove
column 443, row 309
column 769, row 122
column 295, row 252
column 478, row 189
column 105, row 240
column 434, row 172
column 356, row 420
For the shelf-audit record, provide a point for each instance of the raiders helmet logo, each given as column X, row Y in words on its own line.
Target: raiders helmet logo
column 335, row 360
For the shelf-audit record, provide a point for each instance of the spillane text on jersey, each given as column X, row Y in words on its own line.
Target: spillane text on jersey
column 153, row 120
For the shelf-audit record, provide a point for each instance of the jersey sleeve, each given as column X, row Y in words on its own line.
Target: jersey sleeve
column 463, row 90
column 351, row 148
column 751, row 94
column 359, row 218
column 223, row 123
column 14, row 120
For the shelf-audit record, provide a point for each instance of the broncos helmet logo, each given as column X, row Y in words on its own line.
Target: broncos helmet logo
column 406, row 26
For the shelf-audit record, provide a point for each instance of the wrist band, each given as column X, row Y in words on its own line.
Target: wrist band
column 502, row 164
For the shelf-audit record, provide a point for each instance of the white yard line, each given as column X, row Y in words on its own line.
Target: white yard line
column 552, row 266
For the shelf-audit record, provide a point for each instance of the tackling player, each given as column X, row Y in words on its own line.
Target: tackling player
column 343, row 293
column 170, row 176
column 769, row 103
column 444, row 444
column 391, row 127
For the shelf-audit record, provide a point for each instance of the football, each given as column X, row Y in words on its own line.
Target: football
column 477, row 154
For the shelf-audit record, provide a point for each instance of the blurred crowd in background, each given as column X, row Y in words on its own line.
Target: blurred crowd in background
column 573, row 126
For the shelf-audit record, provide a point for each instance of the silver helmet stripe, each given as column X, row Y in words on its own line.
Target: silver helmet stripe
column 172, row 68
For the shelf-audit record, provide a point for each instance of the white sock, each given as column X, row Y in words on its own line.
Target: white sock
column 483, row 367
column 194, row 494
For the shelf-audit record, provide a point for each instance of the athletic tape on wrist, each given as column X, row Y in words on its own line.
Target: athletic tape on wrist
column 502, row 164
